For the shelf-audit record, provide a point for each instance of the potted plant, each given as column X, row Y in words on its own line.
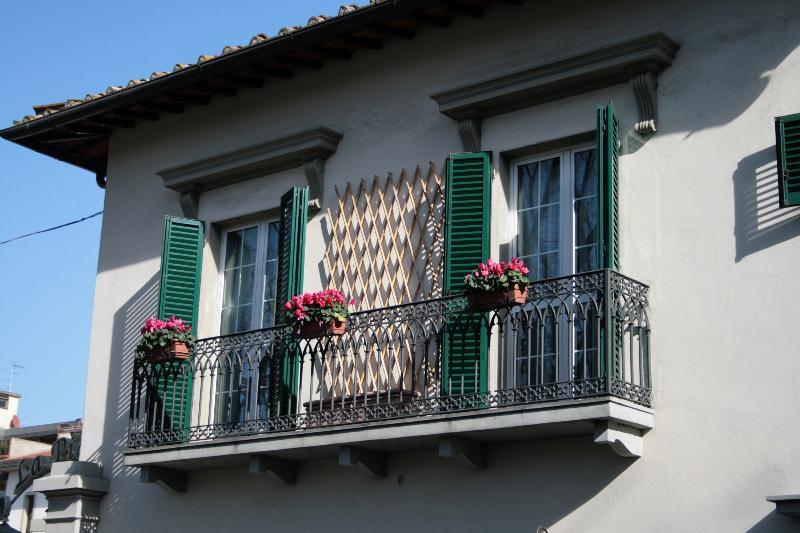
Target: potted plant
column 496, row 284
column 316, row 314
column 165, row 340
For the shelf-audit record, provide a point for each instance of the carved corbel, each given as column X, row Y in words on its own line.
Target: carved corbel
column 624, row 440
column 166, row 478
column 644, row 86
column 469, row 130
column 189, row 201
column 314, row 168
column 374, row 462
column 471, row 454
column 283, row 470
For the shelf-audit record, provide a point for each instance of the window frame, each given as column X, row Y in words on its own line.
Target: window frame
column 566, row 267
column 564, row 366
column 262, row 245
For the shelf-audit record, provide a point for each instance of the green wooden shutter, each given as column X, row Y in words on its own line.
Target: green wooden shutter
column 608, row 186
column 181, row 262
column 787, row 144
column 291, row 247
column 467, row 225
column 291, row 259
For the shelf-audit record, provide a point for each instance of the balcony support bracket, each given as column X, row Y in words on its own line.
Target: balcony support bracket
column 624, row 440
column 283, row 470
column 170, row 480
column 372, row 461
column 471, row 454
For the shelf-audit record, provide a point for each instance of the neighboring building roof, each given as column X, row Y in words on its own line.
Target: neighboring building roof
column 9, row 393
column 42, row 430
column 77, row 130
column 10, row 464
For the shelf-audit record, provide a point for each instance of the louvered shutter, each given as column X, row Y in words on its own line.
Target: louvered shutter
column 787, row 144
column 467, row 226
column 181, row 260
column 291, row 258
column 608, row 186
column 608, row 217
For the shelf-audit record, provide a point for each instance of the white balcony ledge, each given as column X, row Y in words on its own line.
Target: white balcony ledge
column 608, row 420
column 786, row 504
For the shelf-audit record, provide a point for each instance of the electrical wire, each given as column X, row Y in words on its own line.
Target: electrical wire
column 51, row 229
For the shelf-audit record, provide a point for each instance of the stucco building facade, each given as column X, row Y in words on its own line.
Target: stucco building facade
column 710, row 430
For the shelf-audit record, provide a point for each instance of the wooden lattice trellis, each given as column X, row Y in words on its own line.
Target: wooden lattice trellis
column 384, row 247
column 386, row 239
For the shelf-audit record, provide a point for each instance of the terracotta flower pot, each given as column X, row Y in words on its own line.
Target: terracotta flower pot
column 175, row 350
column 315, row 330
column 484, row 300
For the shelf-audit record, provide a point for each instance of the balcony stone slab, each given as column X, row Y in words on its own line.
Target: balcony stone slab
column 622, row 425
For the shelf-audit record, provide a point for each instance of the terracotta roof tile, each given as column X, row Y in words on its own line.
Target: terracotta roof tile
column 257, row 39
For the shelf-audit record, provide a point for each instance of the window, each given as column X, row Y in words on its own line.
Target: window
column 250, row 275
column 556, row 204
column 556, row 201
column 248, row 302
column 3, row 401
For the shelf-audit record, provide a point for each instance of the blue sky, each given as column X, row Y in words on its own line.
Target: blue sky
column 50, row 52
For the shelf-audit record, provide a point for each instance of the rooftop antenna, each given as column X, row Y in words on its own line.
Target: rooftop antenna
column 14, row 371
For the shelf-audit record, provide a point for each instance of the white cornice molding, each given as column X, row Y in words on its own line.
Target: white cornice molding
column 637, row 61
column 308, row 149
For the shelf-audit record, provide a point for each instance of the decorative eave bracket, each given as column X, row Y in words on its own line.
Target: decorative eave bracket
column 307, row 149
column 636, row 61
column 624, row 440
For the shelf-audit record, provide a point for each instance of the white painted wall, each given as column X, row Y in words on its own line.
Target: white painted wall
column 699, row 224
column 16, row 517
column 7, row 414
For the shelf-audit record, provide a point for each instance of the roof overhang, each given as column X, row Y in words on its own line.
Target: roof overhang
column 78, row 132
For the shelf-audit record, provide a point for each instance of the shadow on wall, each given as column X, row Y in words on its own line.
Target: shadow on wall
column 127, row 324
column 527, row 484
column 745, row 56
column 759, row 220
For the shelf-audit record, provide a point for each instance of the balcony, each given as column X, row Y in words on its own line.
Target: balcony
column 573, row 360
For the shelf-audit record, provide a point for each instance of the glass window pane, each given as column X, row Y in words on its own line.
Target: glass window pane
column 247, row 285
column 528, row 232
column 233, row 249
column 270, row 280
column 230, row 292
column 549, row 181
column 272, row 241
column 586, row 259
column 548, row 266
column 586, row 221
column 521, row 377
column 228, row 322
column 244, row 318
column 249, row 245
column 585, row 173
column 527, row 195
column 269, row 314
column 549, row 369
column 548, row 229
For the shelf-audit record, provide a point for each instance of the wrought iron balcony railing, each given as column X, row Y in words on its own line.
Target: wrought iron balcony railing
column 577, row 337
